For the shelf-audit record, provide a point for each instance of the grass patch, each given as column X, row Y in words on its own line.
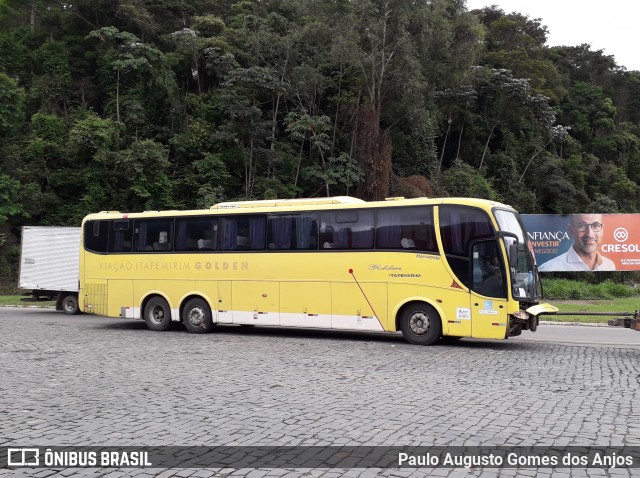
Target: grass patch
column 17, row 300
column 563, row 289
column 626, row 304
column 577, row 296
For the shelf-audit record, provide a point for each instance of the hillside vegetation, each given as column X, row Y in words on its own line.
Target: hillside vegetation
column 170, row 104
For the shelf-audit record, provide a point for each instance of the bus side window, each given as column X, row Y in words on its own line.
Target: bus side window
column 487, row 270
column 96, row 236
column 196, row 234
column 326, row 236
column 120, row 237
column 347, row 230
column 279, row 232
column 459, row 227
column 306, row 230
column 153, row 235
column 341, row 237
column 362, row 231
column 244, row 233
column 410, row 228
column 387, row 236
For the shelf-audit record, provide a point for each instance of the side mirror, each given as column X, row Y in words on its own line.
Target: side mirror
column 504, row 234
column 513, row 255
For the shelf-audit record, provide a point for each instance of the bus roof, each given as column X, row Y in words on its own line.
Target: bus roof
column 299, row 205
column 288, row 202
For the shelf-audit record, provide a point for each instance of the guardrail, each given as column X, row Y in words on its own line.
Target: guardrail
column 628, row 320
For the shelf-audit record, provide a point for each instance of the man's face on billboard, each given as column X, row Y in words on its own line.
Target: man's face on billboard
column 587, row 230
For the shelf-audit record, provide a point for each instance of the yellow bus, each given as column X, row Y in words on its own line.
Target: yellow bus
column 430, row 268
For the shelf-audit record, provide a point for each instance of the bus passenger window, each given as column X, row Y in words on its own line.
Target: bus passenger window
column 246, row 233
column 326, row 236
column 306, row 230
column 292, row 232
column 120, row 237
column 153, row 235
column 196, row 234
column 347, row 229
column 407, row 228
column 279, row 232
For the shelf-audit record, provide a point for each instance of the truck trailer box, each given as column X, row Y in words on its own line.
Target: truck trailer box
column 49, row 259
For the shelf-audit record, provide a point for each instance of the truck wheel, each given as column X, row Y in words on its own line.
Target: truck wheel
column 157, row 314
column 70, row 304
column 420, row 324
column 196, row 316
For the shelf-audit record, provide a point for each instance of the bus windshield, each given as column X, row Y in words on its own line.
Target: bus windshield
column 524, row 277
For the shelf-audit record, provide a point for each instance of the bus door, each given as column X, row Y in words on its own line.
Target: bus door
column 488, row 291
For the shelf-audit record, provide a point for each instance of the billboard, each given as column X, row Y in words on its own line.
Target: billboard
column 585, row 242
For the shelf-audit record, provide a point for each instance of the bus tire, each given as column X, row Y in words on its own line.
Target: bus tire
column 197, row 317
column 70, row 304
column 157, row 314
column 420, row 324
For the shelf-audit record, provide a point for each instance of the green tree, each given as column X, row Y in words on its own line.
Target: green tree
column 517, row 43
column 126, row 53
column 11, row 105
column 462, row 180
column 8, row 193
column 589, row 111
column 510, row 103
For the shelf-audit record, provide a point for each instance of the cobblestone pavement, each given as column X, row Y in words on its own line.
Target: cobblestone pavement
column 87, row 380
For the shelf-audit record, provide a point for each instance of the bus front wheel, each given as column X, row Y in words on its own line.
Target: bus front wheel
column 420, row 324
column 196, row 316
column 157, row 314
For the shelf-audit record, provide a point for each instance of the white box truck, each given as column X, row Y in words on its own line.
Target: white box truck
column 49, row 264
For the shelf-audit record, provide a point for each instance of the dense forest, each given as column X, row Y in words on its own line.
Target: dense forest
column 168, row 104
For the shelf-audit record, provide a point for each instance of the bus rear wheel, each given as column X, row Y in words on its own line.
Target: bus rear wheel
column 197, row 317
column 420, row 324
column 157, row 314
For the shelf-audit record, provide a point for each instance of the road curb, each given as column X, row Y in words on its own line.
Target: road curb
column 587, row 324
column 27, row 306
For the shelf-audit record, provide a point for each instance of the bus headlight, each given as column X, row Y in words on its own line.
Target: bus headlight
column 521, row 315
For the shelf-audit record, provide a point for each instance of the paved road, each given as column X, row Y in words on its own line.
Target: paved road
column 594, row 335
column 88, row 380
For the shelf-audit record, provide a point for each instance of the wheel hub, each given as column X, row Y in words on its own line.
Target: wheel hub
column 196, row 316
column 419, row 323
column 157, row 314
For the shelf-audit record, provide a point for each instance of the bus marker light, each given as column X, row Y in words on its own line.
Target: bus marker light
column 455, row 285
